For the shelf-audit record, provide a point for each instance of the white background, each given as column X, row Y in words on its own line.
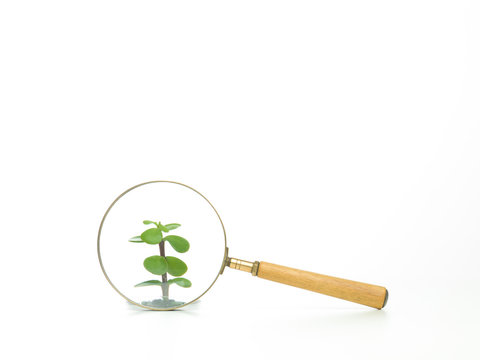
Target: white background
column 335, row 136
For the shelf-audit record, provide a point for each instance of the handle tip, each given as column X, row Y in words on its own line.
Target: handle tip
column 386, row 299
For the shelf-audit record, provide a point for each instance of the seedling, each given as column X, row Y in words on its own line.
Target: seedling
column 162, row 264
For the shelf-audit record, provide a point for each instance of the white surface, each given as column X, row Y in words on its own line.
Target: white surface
column 340, row 137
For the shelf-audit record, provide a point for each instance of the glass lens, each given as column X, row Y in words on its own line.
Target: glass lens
column 161, row 245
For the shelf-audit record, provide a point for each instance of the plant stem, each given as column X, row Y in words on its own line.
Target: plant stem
column 161, row 245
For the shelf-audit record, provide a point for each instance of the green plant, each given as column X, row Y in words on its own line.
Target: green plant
column 162, row 264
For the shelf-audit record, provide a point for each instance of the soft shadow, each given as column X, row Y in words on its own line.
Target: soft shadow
column 339, row 319
column 188, row 310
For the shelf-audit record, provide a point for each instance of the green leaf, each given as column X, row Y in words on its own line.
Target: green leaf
column 161, row 227
column 179, row 281
column 148, row 222
column 178, row 243
column 156, row 264
column 136, row 239
column 149, row 283
column 172, row 226
column 152, row 236
column 176, row 267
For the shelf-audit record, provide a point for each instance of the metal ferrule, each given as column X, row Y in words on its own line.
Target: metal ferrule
column 242, row 265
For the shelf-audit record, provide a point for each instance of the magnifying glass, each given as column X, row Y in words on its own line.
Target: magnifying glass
column 162, row 245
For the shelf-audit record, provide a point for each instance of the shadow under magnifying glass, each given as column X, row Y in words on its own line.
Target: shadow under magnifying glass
column 339, row 319
column 190, row 310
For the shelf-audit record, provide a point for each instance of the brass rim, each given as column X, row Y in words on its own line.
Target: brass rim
column 100, row 232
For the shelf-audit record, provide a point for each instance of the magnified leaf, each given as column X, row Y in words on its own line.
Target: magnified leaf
column 147, row 222
column 156, row 264
column 176, row 267
column 179, row 281
column 149, row 283
column 161, row 227
column 178, row 243
column 136, row 239
column 152, row 236
column 172, row 226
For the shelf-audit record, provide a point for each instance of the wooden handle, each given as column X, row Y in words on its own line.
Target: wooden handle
column 357, row 292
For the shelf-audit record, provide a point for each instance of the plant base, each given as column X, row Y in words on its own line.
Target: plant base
column 162, row 303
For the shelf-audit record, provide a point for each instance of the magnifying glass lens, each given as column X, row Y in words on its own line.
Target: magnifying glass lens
column 161, row 245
